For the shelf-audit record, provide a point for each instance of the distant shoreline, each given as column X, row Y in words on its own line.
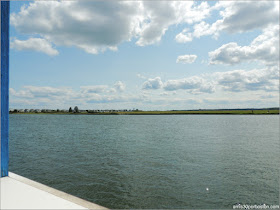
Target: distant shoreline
column 191, row 112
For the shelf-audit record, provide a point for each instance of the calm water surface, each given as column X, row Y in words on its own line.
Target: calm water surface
column 151, row 161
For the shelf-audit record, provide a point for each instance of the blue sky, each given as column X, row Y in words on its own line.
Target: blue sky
column 146, row 55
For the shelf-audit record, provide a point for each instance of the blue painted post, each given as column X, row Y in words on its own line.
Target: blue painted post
column 4, row 125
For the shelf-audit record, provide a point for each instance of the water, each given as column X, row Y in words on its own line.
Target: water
column 151, row 161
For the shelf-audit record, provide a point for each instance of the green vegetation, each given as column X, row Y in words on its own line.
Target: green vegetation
column 135, row 112
column 265, row 111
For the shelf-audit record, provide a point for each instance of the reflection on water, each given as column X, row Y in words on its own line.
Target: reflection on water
column 186, row 161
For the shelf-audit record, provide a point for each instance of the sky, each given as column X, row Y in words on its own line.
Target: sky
column 148, row 55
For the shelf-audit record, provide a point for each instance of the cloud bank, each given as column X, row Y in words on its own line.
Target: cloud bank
column 266, row 80
column 236, row 17
column 91, row 25
column 264, row 48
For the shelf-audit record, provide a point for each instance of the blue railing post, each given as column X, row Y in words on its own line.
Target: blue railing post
column 4, row 91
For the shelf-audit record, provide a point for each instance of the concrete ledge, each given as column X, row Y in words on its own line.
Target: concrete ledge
column 18, row 192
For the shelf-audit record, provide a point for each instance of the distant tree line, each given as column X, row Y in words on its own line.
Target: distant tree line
column 71, row 110
column 76, row 109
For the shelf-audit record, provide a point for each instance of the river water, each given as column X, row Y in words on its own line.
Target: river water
column 174, row 161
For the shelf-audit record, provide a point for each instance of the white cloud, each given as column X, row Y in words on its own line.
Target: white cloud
column 35, row 92
column 96, row 92
column 186, row 59
column 169, row 93
column 184, row 37
column 61, row 97
column 94, row 89
column 266, row 80
column 119, row 86
column 247, row 88
column 241, row 16
column 237, row 17
column 199, row 30
column 141, row 76
column 159, row 16
column 264, row 48
column 34, row 44
column 103, row 89
column 20, row 94
column 155, row 83
column 91, row 26
column 269, row 96
column 254, row 80
column 193, row 85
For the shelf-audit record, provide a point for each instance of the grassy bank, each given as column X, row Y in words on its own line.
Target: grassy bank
column 230, row 112
column 203, row 112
